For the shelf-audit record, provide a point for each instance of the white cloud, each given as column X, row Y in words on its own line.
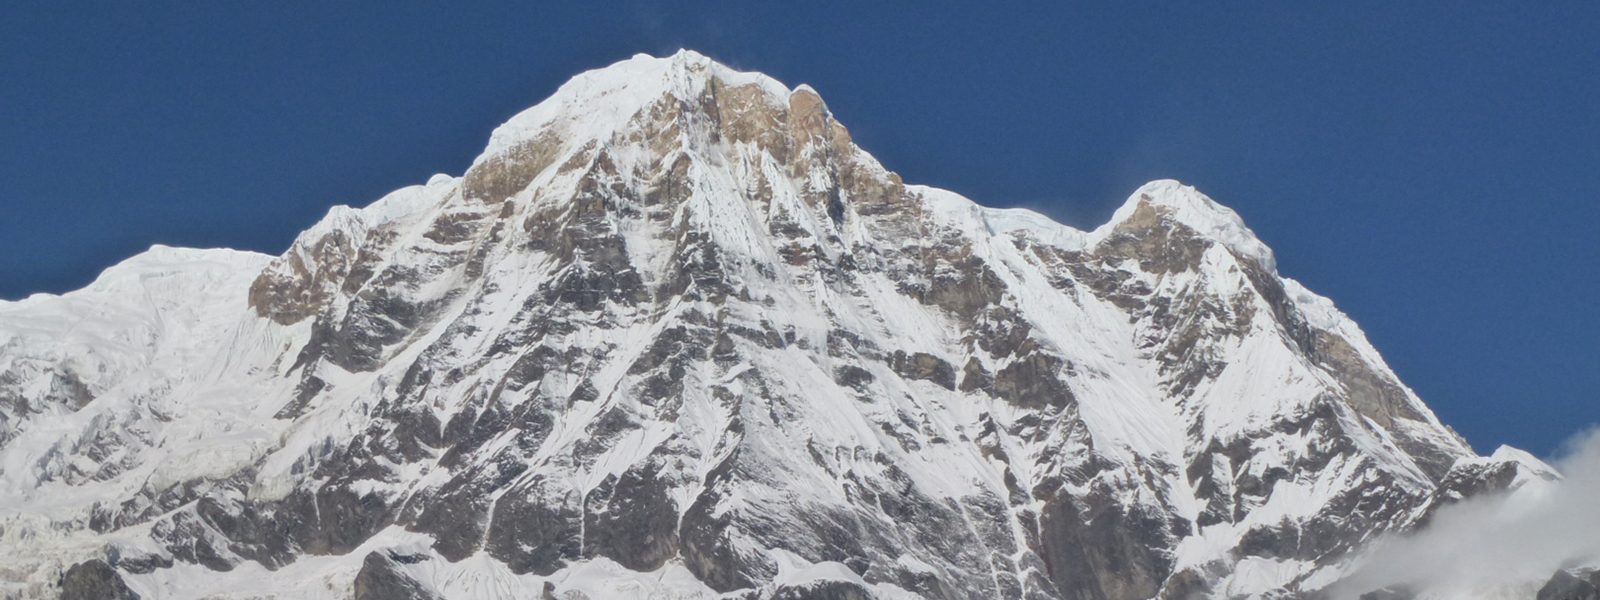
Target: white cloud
column 1503, row 542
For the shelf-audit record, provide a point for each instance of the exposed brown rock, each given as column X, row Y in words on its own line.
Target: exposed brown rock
column 502, row 176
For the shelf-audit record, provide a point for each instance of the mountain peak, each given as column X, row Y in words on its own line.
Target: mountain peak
column 595, row 102
column 1170, row 201
column 675, row 332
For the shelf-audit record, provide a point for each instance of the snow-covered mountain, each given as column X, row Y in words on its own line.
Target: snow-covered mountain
column 673, row 335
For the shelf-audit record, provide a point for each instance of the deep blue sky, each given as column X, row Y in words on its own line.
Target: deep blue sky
column 1435, row 171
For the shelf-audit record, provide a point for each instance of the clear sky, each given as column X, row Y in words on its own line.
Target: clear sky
column 1433, row 169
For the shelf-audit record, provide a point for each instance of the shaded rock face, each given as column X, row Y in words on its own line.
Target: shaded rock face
column 1396, row 593
column 1565, row 585
column 633, row 520
column 822, row 590
column 382, row 577
column 94, row 580
column 674, row 319
column 1101, row 553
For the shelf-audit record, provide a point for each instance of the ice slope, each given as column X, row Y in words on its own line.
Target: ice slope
column 674, row 335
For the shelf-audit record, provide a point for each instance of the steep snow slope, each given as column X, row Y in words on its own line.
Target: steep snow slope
column 674, row 335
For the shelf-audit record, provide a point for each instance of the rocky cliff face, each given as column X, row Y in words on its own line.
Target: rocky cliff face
column 675, row 335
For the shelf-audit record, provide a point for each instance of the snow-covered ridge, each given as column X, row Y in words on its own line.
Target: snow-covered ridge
column 158, row 261
column 130, row 309
column 1181, row 203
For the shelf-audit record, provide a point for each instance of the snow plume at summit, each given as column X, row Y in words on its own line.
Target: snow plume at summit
column 1507, row 542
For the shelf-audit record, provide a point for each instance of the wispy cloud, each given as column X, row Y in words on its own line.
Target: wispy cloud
column 1498, row 542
